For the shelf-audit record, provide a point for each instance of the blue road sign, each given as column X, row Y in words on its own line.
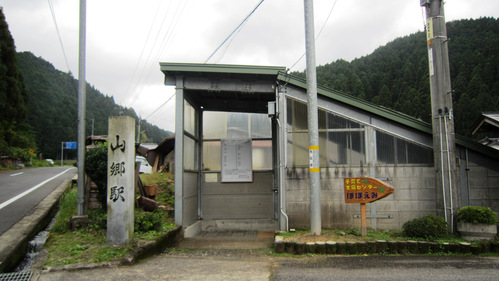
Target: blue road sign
column 70, row 145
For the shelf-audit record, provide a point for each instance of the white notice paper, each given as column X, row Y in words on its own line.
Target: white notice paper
column 237, row 160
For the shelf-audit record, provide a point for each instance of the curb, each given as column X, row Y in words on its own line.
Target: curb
column 382, row 247
column 15, row 240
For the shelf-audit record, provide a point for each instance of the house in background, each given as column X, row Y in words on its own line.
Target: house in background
column 488, row 123
column 241, row 153
column 159, row 156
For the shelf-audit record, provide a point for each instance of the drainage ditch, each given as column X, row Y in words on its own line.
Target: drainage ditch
column 34, row 248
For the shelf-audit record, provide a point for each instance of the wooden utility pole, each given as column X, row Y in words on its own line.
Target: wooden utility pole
column 444, row 144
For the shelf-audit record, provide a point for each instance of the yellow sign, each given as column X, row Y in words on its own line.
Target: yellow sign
column 365, row 190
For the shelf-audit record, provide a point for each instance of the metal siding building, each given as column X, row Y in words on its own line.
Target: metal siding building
column 267, row 107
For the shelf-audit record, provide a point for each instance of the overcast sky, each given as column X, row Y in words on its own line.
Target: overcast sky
column 126, row 39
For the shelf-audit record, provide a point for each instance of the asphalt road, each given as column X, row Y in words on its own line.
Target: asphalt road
column 253, row 265
column 389, row 268
column 22, row 190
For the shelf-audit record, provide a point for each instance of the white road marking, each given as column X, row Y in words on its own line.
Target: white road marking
column 6, row 203
column 17, row 174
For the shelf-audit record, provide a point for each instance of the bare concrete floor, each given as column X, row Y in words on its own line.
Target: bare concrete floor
column 229, row 240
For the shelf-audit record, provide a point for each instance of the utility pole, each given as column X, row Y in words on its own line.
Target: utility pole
column 444, row 144
column 313, row 123
column 81, row 110
column 138, row 130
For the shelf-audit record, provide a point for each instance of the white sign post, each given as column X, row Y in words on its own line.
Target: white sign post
column 120, row 180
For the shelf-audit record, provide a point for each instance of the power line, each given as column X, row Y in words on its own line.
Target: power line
column 131, row 97
column 318, row 34
column 241, row 24
column 54, row 18
column 143, row 49
column 159, row 107
column 167, row 37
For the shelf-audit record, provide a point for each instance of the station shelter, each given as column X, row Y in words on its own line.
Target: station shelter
column 241, row 154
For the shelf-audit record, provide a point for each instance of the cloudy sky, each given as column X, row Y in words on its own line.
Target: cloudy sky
column 126, row 39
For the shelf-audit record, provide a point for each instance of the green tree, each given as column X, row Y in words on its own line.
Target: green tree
column 16, row 136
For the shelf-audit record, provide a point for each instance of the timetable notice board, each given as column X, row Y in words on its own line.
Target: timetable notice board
column 237, row 160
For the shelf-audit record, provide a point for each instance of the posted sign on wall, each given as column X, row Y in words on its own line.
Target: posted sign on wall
column 365, row 190
column 237, row 160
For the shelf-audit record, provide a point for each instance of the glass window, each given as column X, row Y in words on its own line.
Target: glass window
column 212, row 156
column 345, row 148
column 189, row 119
column 190, row 153
column 238, row 125
column 385, row 148
column 220, row 125
column 393, row 150
column 297, row 116
column 297, row 149
column 260, row 126
column 214, row 125
column 262, row 155
column 341, row 141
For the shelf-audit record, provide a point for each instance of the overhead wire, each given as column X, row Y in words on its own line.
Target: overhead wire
column 157, row 109
column 168, row 35
column 131, row 96
column 230, row 42
column 166, row 39
column 54, row 18
column 318, row 34
column 239, row 26
column 143, row 50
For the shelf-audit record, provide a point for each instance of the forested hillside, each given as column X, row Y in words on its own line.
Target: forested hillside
column 396, row 75
column 16, row 137
column 53, row 107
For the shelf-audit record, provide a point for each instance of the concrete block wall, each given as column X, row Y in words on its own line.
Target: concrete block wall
column 484, row 187
column 414, row 196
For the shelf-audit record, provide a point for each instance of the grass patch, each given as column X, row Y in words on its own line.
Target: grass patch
column 81, row 246
column 89, row 244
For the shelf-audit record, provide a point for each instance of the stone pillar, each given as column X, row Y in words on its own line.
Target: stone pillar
column 120, row 180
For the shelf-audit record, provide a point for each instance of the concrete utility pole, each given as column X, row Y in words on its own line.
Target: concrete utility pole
column 444, row 144
column 313, row 123
column 81, row 110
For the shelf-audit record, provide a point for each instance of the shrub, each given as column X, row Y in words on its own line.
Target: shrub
column 96, row 169
column 476, row 215
column 428, row 227
column 147, row 221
